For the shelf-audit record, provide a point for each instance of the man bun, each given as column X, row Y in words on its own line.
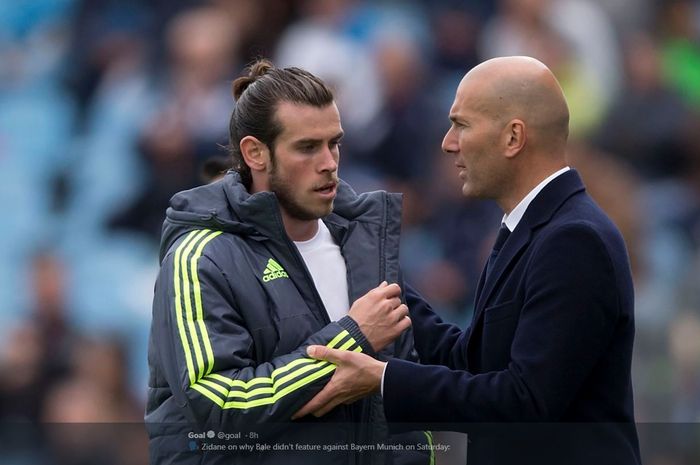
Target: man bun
column 255, row 71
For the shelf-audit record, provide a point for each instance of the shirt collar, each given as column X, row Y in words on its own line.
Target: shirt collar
column 512, row 219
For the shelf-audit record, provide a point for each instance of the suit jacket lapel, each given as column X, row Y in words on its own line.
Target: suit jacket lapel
column 515, row 243
column 540, row 211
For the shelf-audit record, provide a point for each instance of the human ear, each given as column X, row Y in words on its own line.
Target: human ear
column 255, row 153
column 515, row 137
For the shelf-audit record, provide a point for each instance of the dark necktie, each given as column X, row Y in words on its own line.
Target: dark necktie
column 503, row 234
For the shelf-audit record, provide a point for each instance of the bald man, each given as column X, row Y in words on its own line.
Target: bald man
column 546, row 360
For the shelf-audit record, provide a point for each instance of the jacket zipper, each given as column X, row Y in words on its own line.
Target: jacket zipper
column 323, row 313
column 349, row 410
column 382, row 239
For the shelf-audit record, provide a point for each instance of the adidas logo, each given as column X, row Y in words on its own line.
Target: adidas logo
column 274, row 270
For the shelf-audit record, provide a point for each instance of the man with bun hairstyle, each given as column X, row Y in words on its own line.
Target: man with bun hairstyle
column 276, row 256
column 543, row 373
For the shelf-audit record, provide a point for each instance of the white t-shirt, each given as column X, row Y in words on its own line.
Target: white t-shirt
column 327, row 267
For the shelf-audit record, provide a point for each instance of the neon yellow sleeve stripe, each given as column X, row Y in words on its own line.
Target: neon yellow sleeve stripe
column 245, row 395
column 341, row 335
column 283, row 392
column 188, row 300
column 289, row 366
column 429, row 435
column 235, row 382
column 298, row 372
column 261, row 380
column 319, row 369
column 267, row 400
column 204, row 391
column 198, row 303
column 178, row 306
column 213, row 385
column 261, row 390
column 253, row 393
column 300, row 361
column 347, row 345
column 186, row 323
column 311, row 365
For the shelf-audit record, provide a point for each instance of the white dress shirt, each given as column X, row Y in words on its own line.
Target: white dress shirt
column 513, row 218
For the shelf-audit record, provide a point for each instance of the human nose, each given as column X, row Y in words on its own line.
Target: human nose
column 449, row 142
column 329, row 160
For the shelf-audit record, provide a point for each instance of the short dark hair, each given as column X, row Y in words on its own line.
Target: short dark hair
column 257, row 96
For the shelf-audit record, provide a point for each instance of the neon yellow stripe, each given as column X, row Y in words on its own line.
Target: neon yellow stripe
column 178, row 307
column 429, row 435
column 292, row 364
column 213, row 385
column 341, row 335
column 213, row 397
column 198, row 303
column 261, row 390
column 253, row 393
column 236, row 382
column 278, row 395
column 300, row 371
column 188, row 301
column 320, row 368
column 246, row 384
column 347, row 345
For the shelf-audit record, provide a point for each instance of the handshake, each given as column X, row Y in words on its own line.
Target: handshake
column 380, row 315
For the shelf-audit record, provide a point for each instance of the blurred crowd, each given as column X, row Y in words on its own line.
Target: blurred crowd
column 108, row 107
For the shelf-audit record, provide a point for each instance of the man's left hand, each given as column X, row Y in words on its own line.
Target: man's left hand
column 357, row 375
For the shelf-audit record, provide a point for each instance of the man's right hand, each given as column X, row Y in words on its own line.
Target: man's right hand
column 380, row 315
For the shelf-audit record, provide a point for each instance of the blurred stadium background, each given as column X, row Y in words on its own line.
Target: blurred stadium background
column 108, row 107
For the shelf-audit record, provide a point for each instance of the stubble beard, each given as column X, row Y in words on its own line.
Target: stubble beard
column 283, row 189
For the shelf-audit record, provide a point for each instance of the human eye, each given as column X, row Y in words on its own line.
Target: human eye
column 308, row 147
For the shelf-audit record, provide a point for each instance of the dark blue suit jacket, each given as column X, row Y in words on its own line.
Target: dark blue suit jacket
column 550, row 344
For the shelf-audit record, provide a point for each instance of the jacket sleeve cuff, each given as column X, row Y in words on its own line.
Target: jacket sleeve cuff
column 354, row 329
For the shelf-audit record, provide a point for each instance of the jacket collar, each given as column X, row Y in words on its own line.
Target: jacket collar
column 261, row 210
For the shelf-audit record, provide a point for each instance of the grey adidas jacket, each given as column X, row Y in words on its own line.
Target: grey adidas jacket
column 233, row 312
